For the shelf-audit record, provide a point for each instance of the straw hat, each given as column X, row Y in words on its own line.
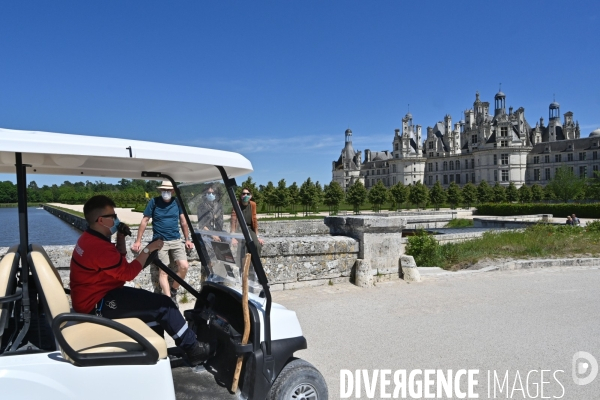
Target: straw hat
column 165, row 185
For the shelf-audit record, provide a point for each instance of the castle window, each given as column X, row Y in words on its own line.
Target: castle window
column 445, row 179
column 436, row 166
column 546, row 159
column 504, row 159
column 430, row 145
column 504, row 131
column 570, row 157
column 547, row 174
column 594, row 155
column 495, row 159
column 451, row 177
column 367, row 172
column 582, row 171
column 430, row 180
column 582, row 156
column 472, row 177
column 536, row 174
column 445, row 166
column 394, row 180
column 394, row 168
column 504, row 143
column 430, row 167
column 557, row 157
column 396, row 146
column 457, row 178
column 473, row 163
column 473, row 139
column 536, row 159
column 595, row 169
column 504, row 175
column 495, row 175
column 378, row 172
column 466, row 164
column 451, row 165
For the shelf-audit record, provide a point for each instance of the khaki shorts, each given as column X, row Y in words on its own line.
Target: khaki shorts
column 173, row 250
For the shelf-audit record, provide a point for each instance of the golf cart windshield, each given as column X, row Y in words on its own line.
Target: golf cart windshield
column 223, row 248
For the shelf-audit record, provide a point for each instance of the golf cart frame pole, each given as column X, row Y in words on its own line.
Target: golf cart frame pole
column 23, row 248
column 230, row 184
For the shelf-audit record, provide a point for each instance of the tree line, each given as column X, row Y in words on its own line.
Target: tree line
column 125, row 192
column 565, row 186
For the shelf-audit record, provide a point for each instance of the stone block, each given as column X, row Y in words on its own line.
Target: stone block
column 363, row 274
column 410, row 273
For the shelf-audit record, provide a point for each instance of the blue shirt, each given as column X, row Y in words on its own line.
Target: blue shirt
column 165, row 218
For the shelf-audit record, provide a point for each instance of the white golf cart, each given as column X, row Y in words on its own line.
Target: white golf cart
column 49, row 352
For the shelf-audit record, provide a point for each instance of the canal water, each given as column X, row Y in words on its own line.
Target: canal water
column 44, row 228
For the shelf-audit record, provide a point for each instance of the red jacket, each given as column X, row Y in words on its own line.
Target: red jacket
column 96, row 268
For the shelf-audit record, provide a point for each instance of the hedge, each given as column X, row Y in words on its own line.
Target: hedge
column 591, row 210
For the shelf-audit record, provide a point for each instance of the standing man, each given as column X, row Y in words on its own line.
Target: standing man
column 99, row 270
column 166, row 215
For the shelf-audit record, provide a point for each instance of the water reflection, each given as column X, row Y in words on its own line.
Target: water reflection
column 44, row 228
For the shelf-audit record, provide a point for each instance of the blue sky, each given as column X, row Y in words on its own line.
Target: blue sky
column 280, row 81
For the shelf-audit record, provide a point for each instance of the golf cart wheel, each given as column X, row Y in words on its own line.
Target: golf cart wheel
column 299, row 380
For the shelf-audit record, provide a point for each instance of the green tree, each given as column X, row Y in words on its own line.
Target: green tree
column 565, row 185
column 399, row 194
column 548, row 193
column 419, row 194
column 308, row 196
column 356, row 195
column 485, row 193
column 499, row 193
column 318, row 197
column 294, row 195
column 524, row 194
column 512, row 194
column 333, row 195
column 537, row 193
column 377, row 196
column 268, row 196
column 454, row 195
column 281, row 197
column 437, row 195
column 469, row 193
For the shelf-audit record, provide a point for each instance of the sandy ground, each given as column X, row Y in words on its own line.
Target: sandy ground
column 516, row 321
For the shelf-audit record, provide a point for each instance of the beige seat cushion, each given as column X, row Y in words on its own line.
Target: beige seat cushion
column 89, row 338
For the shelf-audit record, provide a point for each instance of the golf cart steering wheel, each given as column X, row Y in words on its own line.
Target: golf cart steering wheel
column 151, row 258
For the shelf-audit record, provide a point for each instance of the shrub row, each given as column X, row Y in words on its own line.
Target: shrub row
column 591, row 210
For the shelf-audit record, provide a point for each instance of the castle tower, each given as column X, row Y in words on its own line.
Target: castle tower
column 500, row 104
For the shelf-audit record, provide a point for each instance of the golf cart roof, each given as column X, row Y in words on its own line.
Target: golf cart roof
column 64, row 154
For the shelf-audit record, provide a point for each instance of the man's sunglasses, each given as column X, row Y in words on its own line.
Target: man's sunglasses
column 113, row 216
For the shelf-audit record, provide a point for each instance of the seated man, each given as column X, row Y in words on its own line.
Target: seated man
column 99, row 270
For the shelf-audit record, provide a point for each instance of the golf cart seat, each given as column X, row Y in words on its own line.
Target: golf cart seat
column 89, row 340
column 8, row 279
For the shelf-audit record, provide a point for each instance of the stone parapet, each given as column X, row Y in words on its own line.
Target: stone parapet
column 78, row 222
column 292, row 228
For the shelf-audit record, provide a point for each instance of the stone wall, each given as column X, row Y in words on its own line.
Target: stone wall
column 78, row 222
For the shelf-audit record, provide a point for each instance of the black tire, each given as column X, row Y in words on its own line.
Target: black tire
column 299, row 380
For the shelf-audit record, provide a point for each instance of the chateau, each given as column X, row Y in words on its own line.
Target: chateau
column 502, row 147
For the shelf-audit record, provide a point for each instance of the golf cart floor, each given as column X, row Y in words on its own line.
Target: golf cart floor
column 197, row 383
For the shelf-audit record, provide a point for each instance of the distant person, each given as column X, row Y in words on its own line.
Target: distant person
column 99, row 270
column 166, row 215
column 249, row 211
column 576, row 221
column 569, row 221
column 210, row 212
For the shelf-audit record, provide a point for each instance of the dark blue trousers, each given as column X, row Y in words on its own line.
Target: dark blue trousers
column 127, row 302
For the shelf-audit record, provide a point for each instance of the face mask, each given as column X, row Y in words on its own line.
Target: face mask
column 113, row 229
column 210, row 197
column 246, row 198
column 166, row 195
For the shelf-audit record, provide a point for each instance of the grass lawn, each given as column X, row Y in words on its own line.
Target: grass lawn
column 537, row 241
